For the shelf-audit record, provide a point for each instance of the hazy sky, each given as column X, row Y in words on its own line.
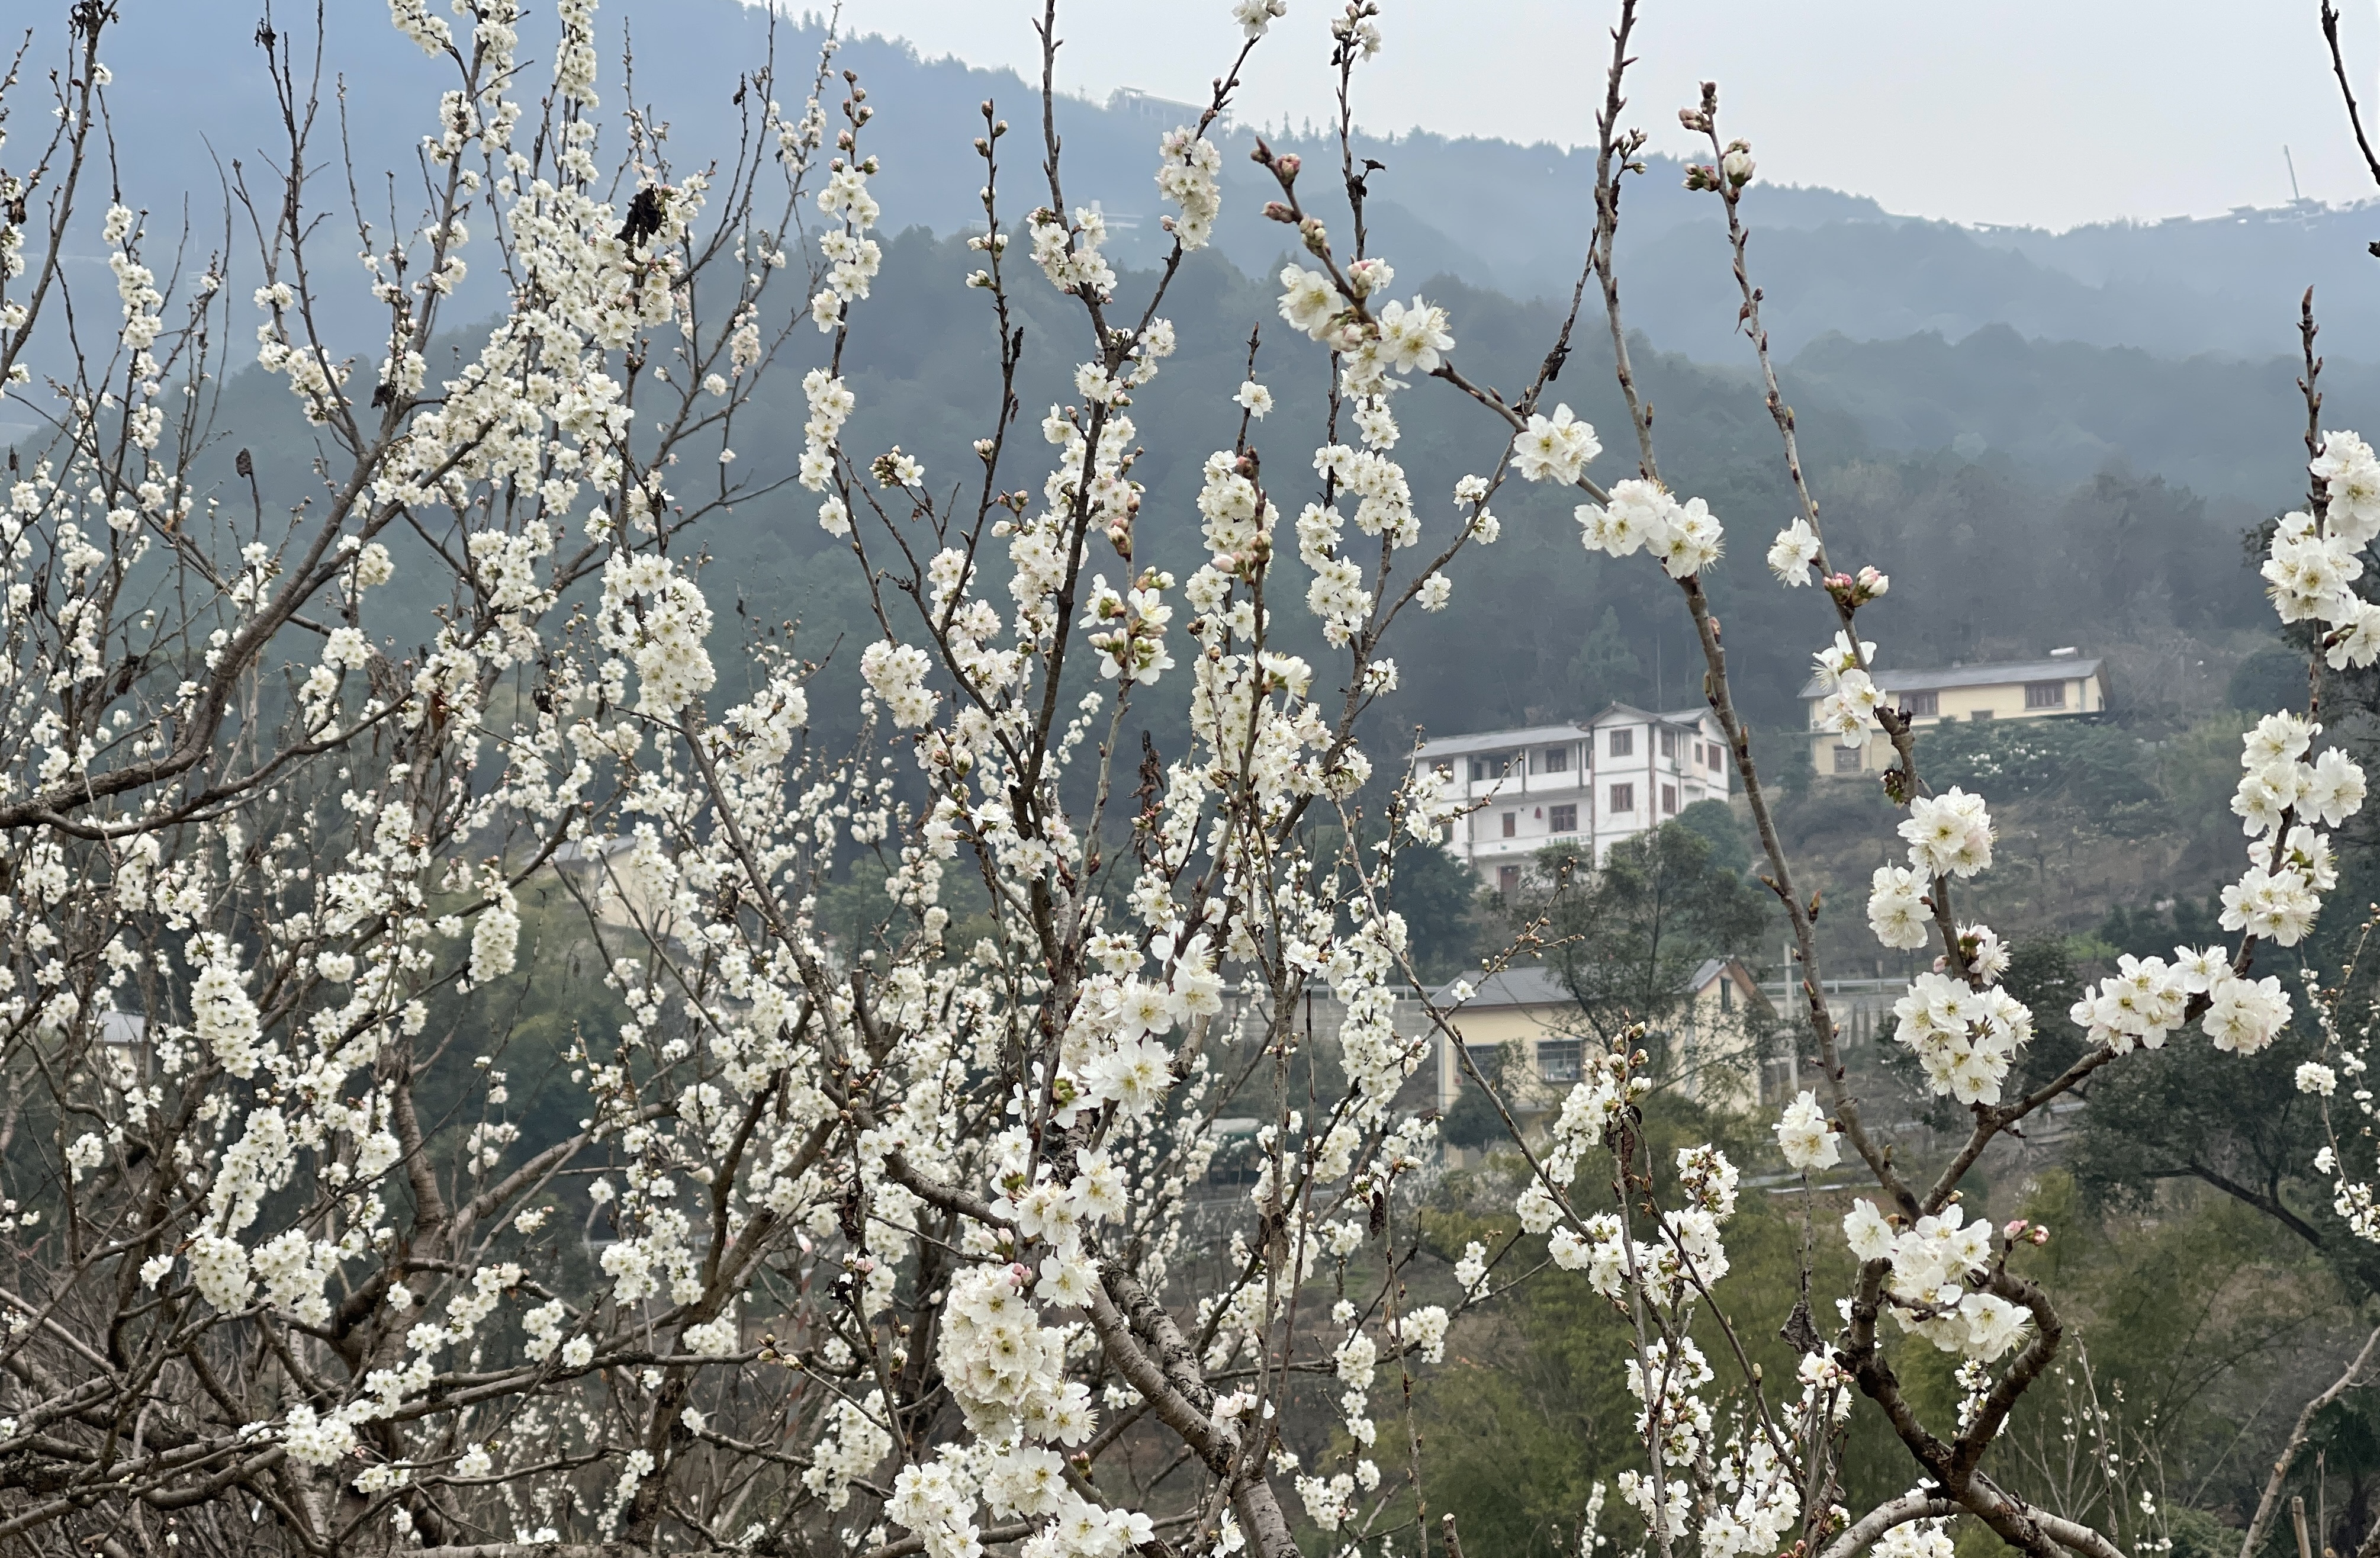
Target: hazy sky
column 2042, row 112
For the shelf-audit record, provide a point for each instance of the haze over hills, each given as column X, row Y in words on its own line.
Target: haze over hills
column 2168, row 346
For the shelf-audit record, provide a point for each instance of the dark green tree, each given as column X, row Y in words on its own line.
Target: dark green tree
column 1472, row 1121
column 2235, row 1123
column 1715, row 822
column 1439, row 896
column 2271, row 678
column 1606, row 670
column 1626, row 936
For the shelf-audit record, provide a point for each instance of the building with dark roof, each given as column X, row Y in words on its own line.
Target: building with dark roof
column 1592, row 783
column 2065, row 686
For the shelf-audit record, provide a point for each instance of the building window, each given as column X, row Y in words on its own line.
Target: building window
column 1669, row 800
column 1711, row 759
column 1494, row 767
column 2044, row 695
column 1726, row 992
column 1623, row 742
column 1847, row 758
column 1669, row 744
column 1508, row 880
column 1554, row 759
column 1511, row 824
column 1563, row 819
column 1921, row 704
column 1623, row 799
column 1558, row 1059
column 1980, row 716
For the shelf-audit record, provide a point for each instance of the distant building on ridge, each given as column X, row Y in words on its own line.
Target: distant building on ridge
column 2065, row 686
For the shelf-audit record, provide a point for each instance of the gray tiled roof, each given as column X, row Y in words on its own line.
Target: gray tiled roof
column 1500, row 740
column 1548, row 735
column 1514, row 987
column 1543, row 987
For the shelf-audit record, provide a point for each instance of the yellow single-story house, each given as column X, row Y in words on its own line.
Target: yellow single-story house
column 1719, row 1038
column 2063, row 686
column 1528, row 1016
column 1533, row 1019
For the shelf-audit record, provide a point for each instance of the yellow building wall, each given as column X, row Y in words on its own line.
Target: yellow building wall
column 1718, row 1045
column 1997, row 701
column 1520, row 1027
column 1716, row 1042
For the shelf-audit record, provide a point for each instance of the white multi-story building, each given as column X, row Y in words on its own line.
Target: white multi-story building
column 1620, row 774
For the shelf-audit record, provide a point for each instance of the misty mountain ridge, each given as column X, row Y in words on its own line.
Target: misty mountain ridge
column 1516, row 218
column 1511, row 217
column 2166, row 346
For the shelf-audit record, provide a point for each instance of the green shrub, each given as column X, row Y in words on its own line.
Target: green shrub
column 2097, row 767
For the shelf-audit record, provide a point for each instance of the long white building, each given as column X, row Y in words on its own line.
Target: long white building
column 1622, row 772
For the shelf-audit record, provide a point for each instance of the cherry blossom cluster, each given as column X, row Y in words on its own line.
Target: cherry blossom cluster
column 1941, row 1275
column 852, row 257
column 2314, row 559
column 1852, row 698
column 273, row 916
column 1186, row 177
column 1733, row 1492
column 1804, row 1136
column 1683, row 537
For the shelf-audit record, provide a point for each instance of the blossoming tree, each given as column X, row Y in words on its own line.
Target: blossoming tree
column 901, row 1264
